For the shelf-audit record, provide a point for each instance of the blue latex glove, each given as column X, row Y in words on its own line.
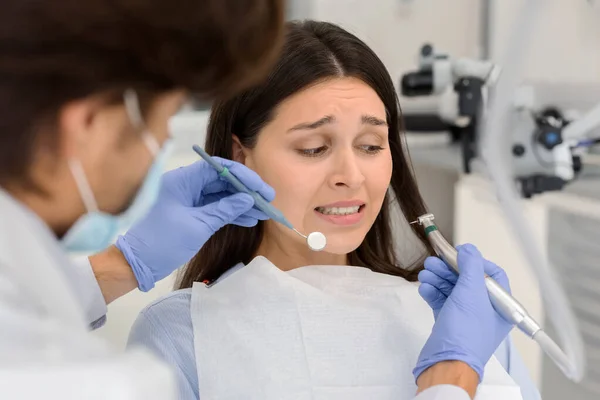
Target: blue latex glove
column 467, row 328
column 193, row 203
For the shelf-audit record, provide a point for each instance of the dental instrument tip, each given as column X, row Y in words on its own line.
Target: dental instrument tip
column 316, row 241
column 425, row 217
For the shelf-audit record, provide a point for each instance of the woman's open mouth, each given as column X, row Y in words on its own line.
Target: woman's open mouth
column 341, row 215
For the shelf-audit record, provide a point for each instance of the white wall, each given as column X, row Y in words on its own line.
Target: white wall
column 396, row 29
column 566, row 44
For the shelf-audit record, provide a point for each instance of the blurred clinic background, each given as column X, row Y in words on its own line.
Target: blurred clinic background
column 440, row 54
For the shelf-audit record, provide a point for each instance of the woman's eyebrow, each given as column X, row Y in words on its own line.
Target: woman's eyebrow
column 372, row 120
column 328, row 119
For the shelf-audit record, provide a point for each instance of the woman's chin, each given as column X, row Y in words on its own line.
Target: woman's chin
column 340, row 246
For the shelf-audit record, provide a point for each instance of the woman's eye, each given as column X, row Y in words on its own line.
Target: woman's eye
column 371, row 149
column 317, row 151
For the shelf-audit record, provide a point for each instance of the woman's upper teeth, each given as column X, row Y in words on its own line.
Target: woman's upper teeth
column 338, row 210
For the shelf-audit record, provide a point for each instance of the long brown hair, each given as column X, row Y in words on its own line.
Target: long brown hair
column 313, row 51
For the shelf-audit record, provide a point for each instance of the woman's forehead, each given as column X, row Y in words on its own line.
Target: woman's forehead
column 339, row 95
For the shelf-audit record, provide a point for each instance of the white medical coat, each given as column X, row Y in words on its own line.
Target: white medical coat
column 47, row 306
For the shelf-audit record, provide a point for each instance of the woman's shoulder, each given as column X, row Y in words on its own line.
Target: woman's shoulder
column 165, row 328
column 165, row 325
column 165, row 315
column 175, row 306
column 173, row 303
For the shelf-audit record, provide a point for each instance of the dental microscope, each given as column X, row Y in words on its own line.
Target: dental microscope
column 461, row 86
column 545, row 143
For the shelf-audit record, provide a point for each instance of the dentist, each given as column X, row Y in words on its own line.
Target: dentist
column 86, row 92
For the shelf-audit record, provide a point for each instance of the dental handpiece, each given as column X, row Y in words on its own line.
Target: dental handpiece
column 315, row 240
column 506, row 305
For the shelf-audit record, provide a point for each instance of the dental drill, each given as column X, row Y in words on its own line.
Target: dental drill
column 316, row 241
column 502, row 301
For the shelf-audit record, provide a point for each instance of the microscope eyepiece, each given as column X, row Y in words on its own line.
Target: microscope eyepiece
column 419, row 83
column 426, row 50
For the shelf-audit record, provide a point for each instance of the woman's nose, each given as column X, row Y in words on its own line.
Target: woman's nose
column 347, row 171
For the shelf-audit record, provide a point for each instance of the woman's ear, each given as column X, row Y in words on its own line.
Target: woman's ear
column 237, row 150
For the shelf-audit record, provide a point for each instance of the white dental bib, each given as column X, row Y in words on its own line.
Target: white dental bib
column 317, row 332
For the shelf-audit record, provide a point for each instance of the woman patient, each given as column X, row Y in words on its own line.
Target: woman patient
column 273, row 318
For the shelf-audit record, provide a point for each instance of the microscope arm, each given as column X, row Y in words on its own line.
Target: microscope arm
column 579, row 129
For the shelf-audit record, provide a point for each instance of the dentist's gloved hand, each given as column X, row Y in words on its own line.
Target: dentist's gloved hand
column 193, row 204
column 467, row 328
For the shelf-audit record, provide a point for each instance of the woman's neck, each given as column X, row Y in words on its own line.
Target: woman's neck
column 288, row 254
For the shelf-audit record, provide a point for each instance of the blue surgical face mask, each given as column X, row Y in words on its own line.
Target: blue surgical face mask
column 96, row 230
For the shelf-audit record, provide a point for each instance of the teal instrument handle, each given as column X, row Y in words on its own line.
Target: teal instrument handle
column 259, row 201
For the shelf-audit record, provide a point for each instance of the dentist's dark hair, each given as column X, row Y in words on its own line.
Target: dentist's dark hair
column 58, row 51
column 312, row 52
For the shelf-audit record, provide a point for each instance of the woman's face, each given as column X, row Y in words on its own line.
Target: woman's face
column 326, row 154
